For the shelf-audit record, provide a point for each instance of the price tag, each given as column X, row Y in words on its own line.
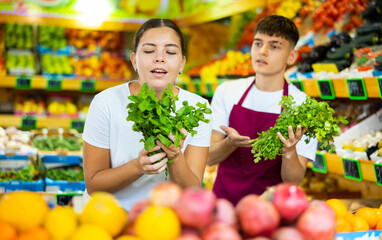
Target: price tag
column 88, row 85
column 78, row 125
column 65, row 199
column 184, row 86
column 28, row 123
column 319, row 164
column 356, row 89
column 326, row 89
column 23, row 82
column 298, row 84
column 325, row 67
column 380, row 86
column 197, row 87
column 209, row 92
column 378, row 173
column 54, row 84
column 352, row 169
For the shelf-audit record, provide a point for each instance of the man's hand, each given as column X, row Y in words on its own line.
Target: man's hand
column 235, row 138
column 294, row 138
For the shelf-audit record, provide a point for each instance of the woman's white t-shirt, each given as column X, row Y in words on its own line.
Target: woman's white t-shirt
column 106, row 127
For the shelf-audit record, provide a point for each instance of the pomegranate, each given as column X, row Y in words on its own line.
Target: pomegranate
column 220, row 231
column 225, row 212
column 136, row 209
column 287, row 233
column 318, row 222
column 195, row 207
column 165, row 194
column 257, row 217
column 290, row 200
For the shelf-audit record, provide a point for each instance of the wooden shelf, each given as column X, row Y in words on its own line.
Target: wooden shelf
column 40, row 82
column 71, row 23
column 222, row 11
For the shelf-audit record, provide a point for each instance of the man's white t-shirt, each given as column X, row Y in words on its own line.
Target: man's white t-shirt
column 106, row 127
column 229, row 93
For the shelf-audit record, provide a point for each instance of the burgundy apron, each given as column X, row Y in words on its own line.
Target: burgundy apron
column 239, row 175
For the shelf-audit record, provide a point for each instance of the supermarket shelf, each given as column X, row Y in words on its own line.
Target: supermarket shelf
column 8, row 120
column 334, row 164
column 71, row 23
column 222, row 11
column 310, row 87
column 40, row 82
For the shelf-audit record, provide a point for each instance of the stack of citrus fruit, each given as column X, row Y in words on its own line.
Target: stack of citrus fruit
column 364, row 219
column 26, row 216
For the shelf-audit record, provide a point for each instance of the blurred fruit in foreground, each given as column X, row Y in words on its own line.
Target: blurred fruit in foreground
column 7, row 231
column 61, row 222
column 36, row 233
column 90, row 231
column 160, row 223
column 103, row 210
column 23, row 210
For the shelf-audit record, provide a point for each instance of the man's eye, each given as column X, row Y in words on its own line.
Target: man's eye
column 274, row 47
column 257, row 44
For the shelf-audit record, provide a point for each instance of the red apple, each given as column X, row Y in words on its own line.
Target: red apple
column 165, row 194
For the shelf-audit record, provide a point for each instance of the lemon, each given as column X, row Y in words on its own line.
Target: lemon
column 103, row 210
column 159, row 223
column 61, row 222
column 90, row 232
column 23, row 210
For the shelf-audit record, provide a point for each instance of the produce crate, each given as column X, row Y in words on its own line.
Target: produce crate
column 16, row 185
column 362, row 235
column 54, row 161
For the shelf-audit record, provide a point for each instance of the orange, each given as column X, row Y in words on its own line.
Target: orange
column 379, row 224
column 127, row 237
column 370, row 214
column 157, row 222
column 23, row 210
column 338, row 206
column 90, row 231
column 343, row 225
column 349, row 216
column 61, row 222
column 36, row 233
column 7, row 231
column 104, row 210
column 359, row 224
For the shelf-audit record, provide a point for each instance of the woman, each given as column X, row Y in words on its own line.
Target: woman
column 114, row 159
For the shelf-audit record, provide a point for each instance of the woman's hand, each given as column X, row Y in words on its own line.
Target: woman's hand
column 172, row 151
column 294, row 138
column 152, row 164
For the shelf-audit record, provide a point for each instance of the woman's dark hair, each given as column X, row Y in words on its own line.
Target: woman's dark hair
column 157, row 23
column 278, row 26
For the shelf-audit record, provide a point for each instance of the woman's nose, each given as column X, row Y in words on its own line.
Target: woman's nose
column 159, row 58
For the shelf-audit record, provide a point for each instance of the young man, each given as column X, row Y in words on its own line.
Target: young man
column 245, row 107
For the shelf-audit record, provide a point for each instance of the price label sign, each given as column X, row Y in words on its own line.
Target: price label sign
column 28, row 123
column 326, row 89
column 23, row 82
column 319, row 164
column 378, row 173
column 209, row 92
column 298, row 84
column 78, row 125
column 88, row 85
column 352, row 169
column 356, row 89
column 380, row 86
column 54, row 84
column 184, row 86
column 197, row 87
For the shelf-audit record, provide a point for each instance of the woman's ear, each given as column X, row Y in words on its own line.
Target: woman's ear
column 292, row 57
column 182, row 65
column 133, row 61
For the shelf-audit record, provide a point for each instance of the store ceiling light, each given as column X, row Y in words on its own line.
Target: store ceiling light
column 93, row 13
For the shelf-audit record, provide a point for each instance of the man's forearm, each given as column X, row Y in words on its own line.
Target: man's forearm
column 219, row 151
column 292, row 168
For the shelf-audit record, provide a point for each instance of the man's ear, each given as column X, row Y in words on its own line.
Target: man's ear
column 292, row 57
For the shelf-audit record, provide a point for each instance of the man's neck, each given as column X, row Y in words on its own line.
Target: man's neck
column 269, row 83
